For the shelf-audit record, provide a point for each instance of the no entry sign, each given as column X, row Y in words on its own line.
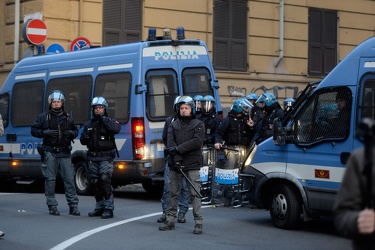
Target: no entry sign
column 34, row 31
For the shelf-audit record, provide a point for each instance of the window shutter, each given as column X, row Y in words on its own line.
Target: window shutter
column 133, row 21
column 330, row 46
column 322, row 56
column 221, row 34
column 230, row 35
column 122, row 21
column 111, row 22
column 239, row 35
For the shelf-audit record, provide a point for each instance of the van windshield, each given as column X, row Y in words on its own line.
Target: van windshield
column 161, row 91
column 196, row 81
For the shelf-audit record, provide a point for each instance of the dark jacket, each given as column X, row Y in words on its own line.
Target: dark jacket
column 60, row 145
column 211, row 122
column 166, row 126
column 234, row 130
column 98, row 135
column 272, row 112
column 350, row 199
column 188, row 136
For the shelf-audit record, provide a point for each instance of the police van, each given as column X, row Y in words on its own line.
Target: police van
column 300, row 172
column 139, row 81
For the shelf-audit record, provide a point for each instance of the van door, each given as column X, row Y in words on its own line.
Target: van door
column 323, row 136
column 366, row 97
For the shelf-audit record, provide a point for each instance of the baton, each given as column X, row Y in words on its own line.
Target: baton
column 191, row 184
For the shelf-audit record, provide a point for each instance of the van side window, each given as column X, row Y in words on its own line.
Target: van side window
column 196, row 81
column 326, row 117
column 367, row 104
column 161, row 92
column 4, row 108
column 26, row 96
column 115, row 88
column 77, row 92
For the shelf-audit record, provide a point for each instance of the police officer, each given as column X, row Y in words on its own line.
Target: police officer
column 288, row 104
column 98, row 134
column 183, row 200
column 235, row 128
column 271, row 110
column 185, row 140
column 57, row 130
column 210, row 118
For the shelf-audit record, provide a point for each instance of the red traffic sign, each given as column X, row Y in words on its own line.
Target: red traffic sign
column 79, row 43
column 34, row 31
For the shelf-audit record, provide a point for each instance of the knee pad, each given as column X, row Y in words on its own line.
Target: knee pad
column 105, row 178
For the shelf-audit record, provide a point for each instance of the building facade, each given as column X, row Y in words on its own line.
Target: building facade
column 256, row 46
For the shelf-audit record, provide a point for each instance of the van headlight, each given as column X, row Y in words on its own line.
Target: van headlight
column 250, row 157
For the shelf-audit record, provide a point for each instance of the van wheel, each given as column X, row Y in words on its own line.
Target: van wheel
column 285, row 207
column 82, row 179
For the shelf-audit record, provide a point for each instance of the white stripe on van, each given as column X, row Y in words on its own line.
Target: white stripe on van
column 11, row 147
column 71, row 71
column 28, row 76
column 369, row 65
column 301, row 171
column 155, row 125
column 78, row 146
column 116, row 66
column 181, row 52
column 29, row 148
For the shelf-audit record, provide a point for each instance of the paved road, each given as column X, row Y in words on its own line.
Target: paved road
column 25, row 220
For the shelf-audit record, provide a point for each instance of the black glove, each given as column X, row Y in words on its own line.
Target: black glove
column 99, row 117
column 178, row 166
column 51, row 133
column 172, row 151
column 68, row 133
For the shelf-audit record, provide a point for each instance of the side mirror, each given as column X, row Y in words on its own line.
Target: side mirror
column 278, row 132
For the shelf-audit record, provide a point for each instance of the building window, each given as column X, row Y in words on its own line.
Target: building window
column 122, row 21
column 230, row 35
column 322, row 57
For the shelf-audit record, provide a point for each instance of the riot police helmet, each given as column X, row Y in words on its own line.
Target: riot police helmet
column 175, row 108
column 100, row 101
column 288, row 102
column 267, row 98
column 242, row 105
column 198, row 103
column 208, row 103
column 252, row 97
column 56, row 95
column 186, row 100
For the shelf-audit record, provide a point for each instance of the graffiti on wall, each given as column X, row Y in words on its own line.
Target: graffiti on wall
column 279, row 92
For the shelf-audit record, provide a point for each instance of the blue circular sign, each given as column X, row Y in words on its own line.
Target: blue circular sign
column 55, row 48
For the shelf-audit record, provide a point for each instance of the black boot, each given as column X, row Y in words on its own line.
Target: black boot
column 108, row 213
column 198, row 229
column 74, row 211
column 162, row 218
column 96, row 213
column 167, row 226
column 181, row 217
column 53, row 210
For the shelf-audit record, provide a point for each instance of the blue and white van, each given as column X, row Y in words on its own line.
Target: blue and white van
column 139, row 81
column 300, row 172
